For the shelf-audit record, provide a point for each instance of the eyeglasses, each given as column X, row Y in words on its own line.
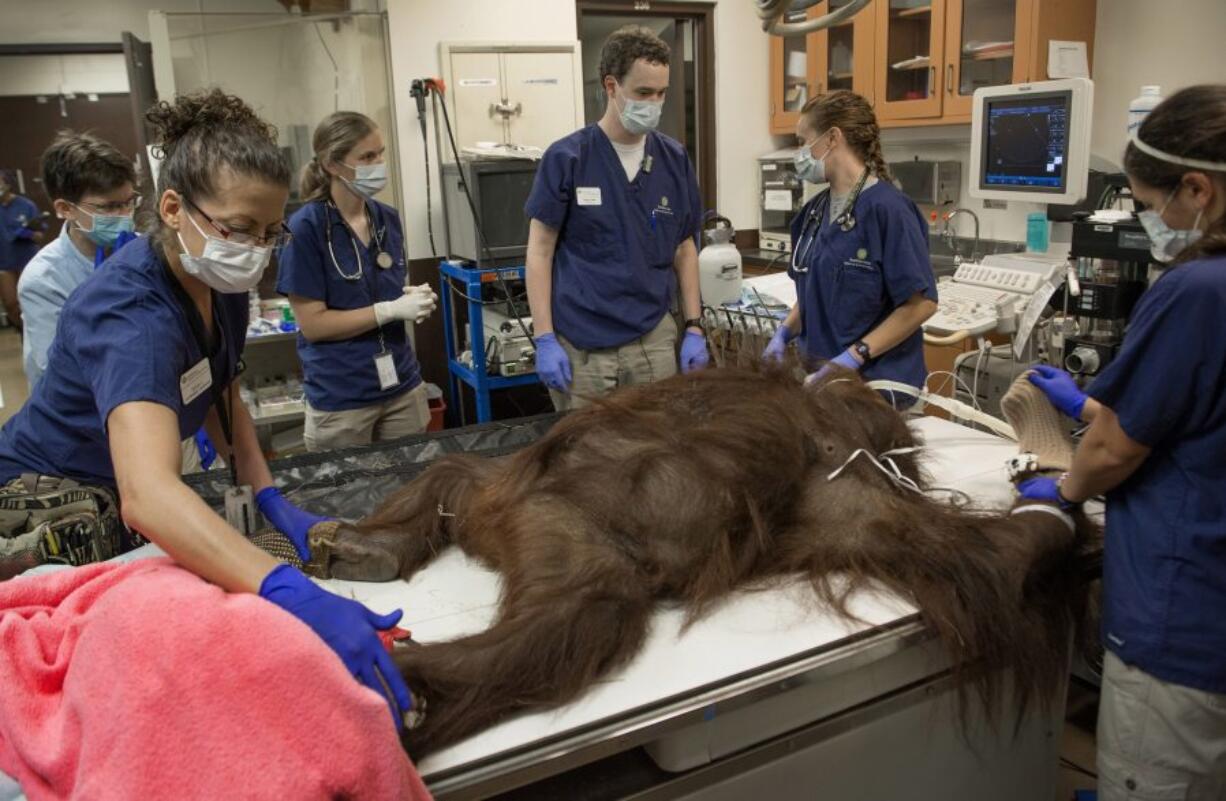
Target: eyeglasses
column 277, row 239
column 115, row 207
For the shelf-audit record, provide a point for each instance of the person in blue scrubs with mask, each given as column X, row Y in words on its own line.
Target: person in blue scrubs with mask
column 92, row 188
column 1156, row 445
column 614, row 214
column 147, row 351
column 20, row 238
column 347, row 281
column 864, row 281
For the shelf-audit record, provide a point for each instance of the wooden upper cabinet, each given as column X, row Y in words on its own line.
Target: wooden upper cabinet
column 793, row 75
column 986, row 44
column 909, row 58
column 836, row 58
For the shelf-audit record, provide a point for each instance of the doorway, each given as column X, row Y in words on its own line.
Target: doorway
column 689, row 111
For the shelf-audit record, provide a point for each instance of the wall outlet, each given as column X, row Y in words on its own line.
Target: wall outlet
column 996, row 204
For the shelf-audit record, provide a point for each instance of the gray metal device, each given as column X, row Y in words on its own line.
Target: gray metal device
column 500, row 188
column 509, row 351
column 930, row 183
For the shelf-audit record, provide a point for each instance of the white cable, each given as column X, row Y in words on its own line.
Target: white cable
column 954, row 407
column 892, row 472
column 1051, row 510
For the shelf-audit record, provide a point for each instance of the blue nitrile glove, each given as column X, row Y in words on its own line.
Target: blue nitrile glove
column 288, row 519
column 552, row 363
column 1040, row 488
column 1060, row 389
column 847, row 360
column 204, row 446
column 777, row 348
column 123, row 238
column 694, row 354
column 347, row 627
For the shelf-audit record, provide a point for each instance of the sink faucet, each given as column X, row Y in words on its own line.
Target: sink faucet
column 948, row 234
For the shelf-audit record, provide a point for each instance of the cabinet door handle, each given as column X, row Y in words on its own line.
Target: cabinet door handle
column 932, row 79
column 949, row 78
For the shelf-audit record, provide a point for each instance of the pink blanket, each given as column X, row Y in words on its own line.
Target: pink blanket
column 143, row 681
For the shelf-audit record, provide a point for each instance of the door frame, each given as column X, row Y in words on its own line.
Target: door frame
column 703, row 17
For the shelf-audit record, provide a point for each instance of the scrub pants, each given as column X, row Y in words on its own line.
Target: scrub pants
column 1158, row 741
column 399, row 416
column 649, row 358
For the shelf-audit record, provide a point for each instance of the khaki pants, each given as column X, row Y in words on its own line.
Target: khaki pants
column 649, row 358
column 1158, row 741
column 405, row 414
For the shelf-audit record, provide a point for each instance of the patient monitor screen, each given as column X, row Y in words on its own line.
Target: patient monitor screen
column 1026, row 142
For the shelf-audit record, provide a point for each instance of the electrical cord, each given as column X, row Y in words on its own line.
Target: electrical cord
column 472, row 206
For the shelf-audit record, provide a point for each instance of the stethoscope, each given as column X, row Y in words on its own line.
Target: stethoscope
column 384, row 259
column 846, row 221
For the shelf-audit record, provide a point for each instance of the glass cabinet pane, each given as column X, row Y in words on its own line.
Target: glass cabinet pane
column 986, row 47
column 795, row 66
column 909, row 60
column 839, row 49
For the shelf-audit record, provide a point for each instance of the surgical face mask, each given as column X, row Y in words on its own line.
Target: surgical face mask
column 640, row 116
column 368, row 179
column 223, row 265
column 809, row 168
column 1166, row 242
column 106, row 228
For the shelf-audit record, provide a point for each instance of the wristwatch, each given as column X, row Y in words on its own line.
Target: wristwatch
column 694, row 322
column 862, row 350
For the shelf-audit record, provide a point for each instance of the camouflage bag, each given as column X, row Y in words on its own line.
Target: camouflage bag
column 57, row 520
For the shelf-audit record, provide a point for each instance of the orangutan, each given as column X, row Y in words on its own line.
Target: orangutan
column 685, row 490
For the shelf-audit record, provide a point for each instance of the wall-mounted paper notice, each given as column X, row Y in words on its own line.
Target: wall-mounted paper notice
column 778, row 200
column 1067, row 60
column 478, row 82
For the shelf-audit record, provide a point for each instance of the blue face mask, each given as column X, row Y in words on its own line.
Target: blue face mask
column 106, row 228
column 1165, row 242
column 809, row 168
column 640, row 116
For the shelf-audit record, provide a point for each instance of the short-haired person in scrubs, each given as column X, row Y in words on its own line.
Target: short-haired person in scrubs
column 345, row 274
column 92, row 187
column 614, row 214
column 1156, row 446
column 20, row 239
column 147, row 351
column 864, row 281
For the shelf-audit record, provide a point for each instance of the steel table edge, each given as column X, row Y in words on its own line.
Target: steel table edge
column 514, row 768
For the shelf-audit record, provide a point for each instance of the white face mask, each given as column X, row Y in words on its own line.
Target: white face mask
column 223, row 265
column 368, row 179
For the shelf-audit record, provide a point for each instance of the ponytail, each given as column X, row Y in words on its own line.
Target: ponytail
column 314, row 183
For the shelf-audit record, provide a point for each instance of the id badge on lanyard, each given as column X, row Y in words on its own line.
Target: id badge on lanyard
column 385, row 365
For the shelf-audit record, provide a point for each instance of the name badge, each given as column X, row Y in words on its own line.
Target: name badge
column 386, row 367
column 587, row 195
column 195, row 381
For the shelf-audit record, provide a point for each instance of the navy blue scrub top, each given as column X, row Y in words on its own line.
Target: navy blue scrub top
column 1164, row 571
column 342, row 375
column 850, row 281
column 613, row 271
column 122, row 337
column 15, row 252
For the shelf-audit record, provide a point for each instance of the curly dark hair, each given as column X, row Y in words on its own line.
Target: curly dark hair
column 1190, row 124
column 627, row 45
column 199, row 134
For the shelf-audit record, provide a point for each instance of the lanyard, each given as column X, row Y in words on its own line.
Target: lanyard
column 195, row 323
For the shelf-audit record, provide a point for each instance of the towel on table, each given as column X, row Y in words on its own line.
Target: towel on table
column 142, row 680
